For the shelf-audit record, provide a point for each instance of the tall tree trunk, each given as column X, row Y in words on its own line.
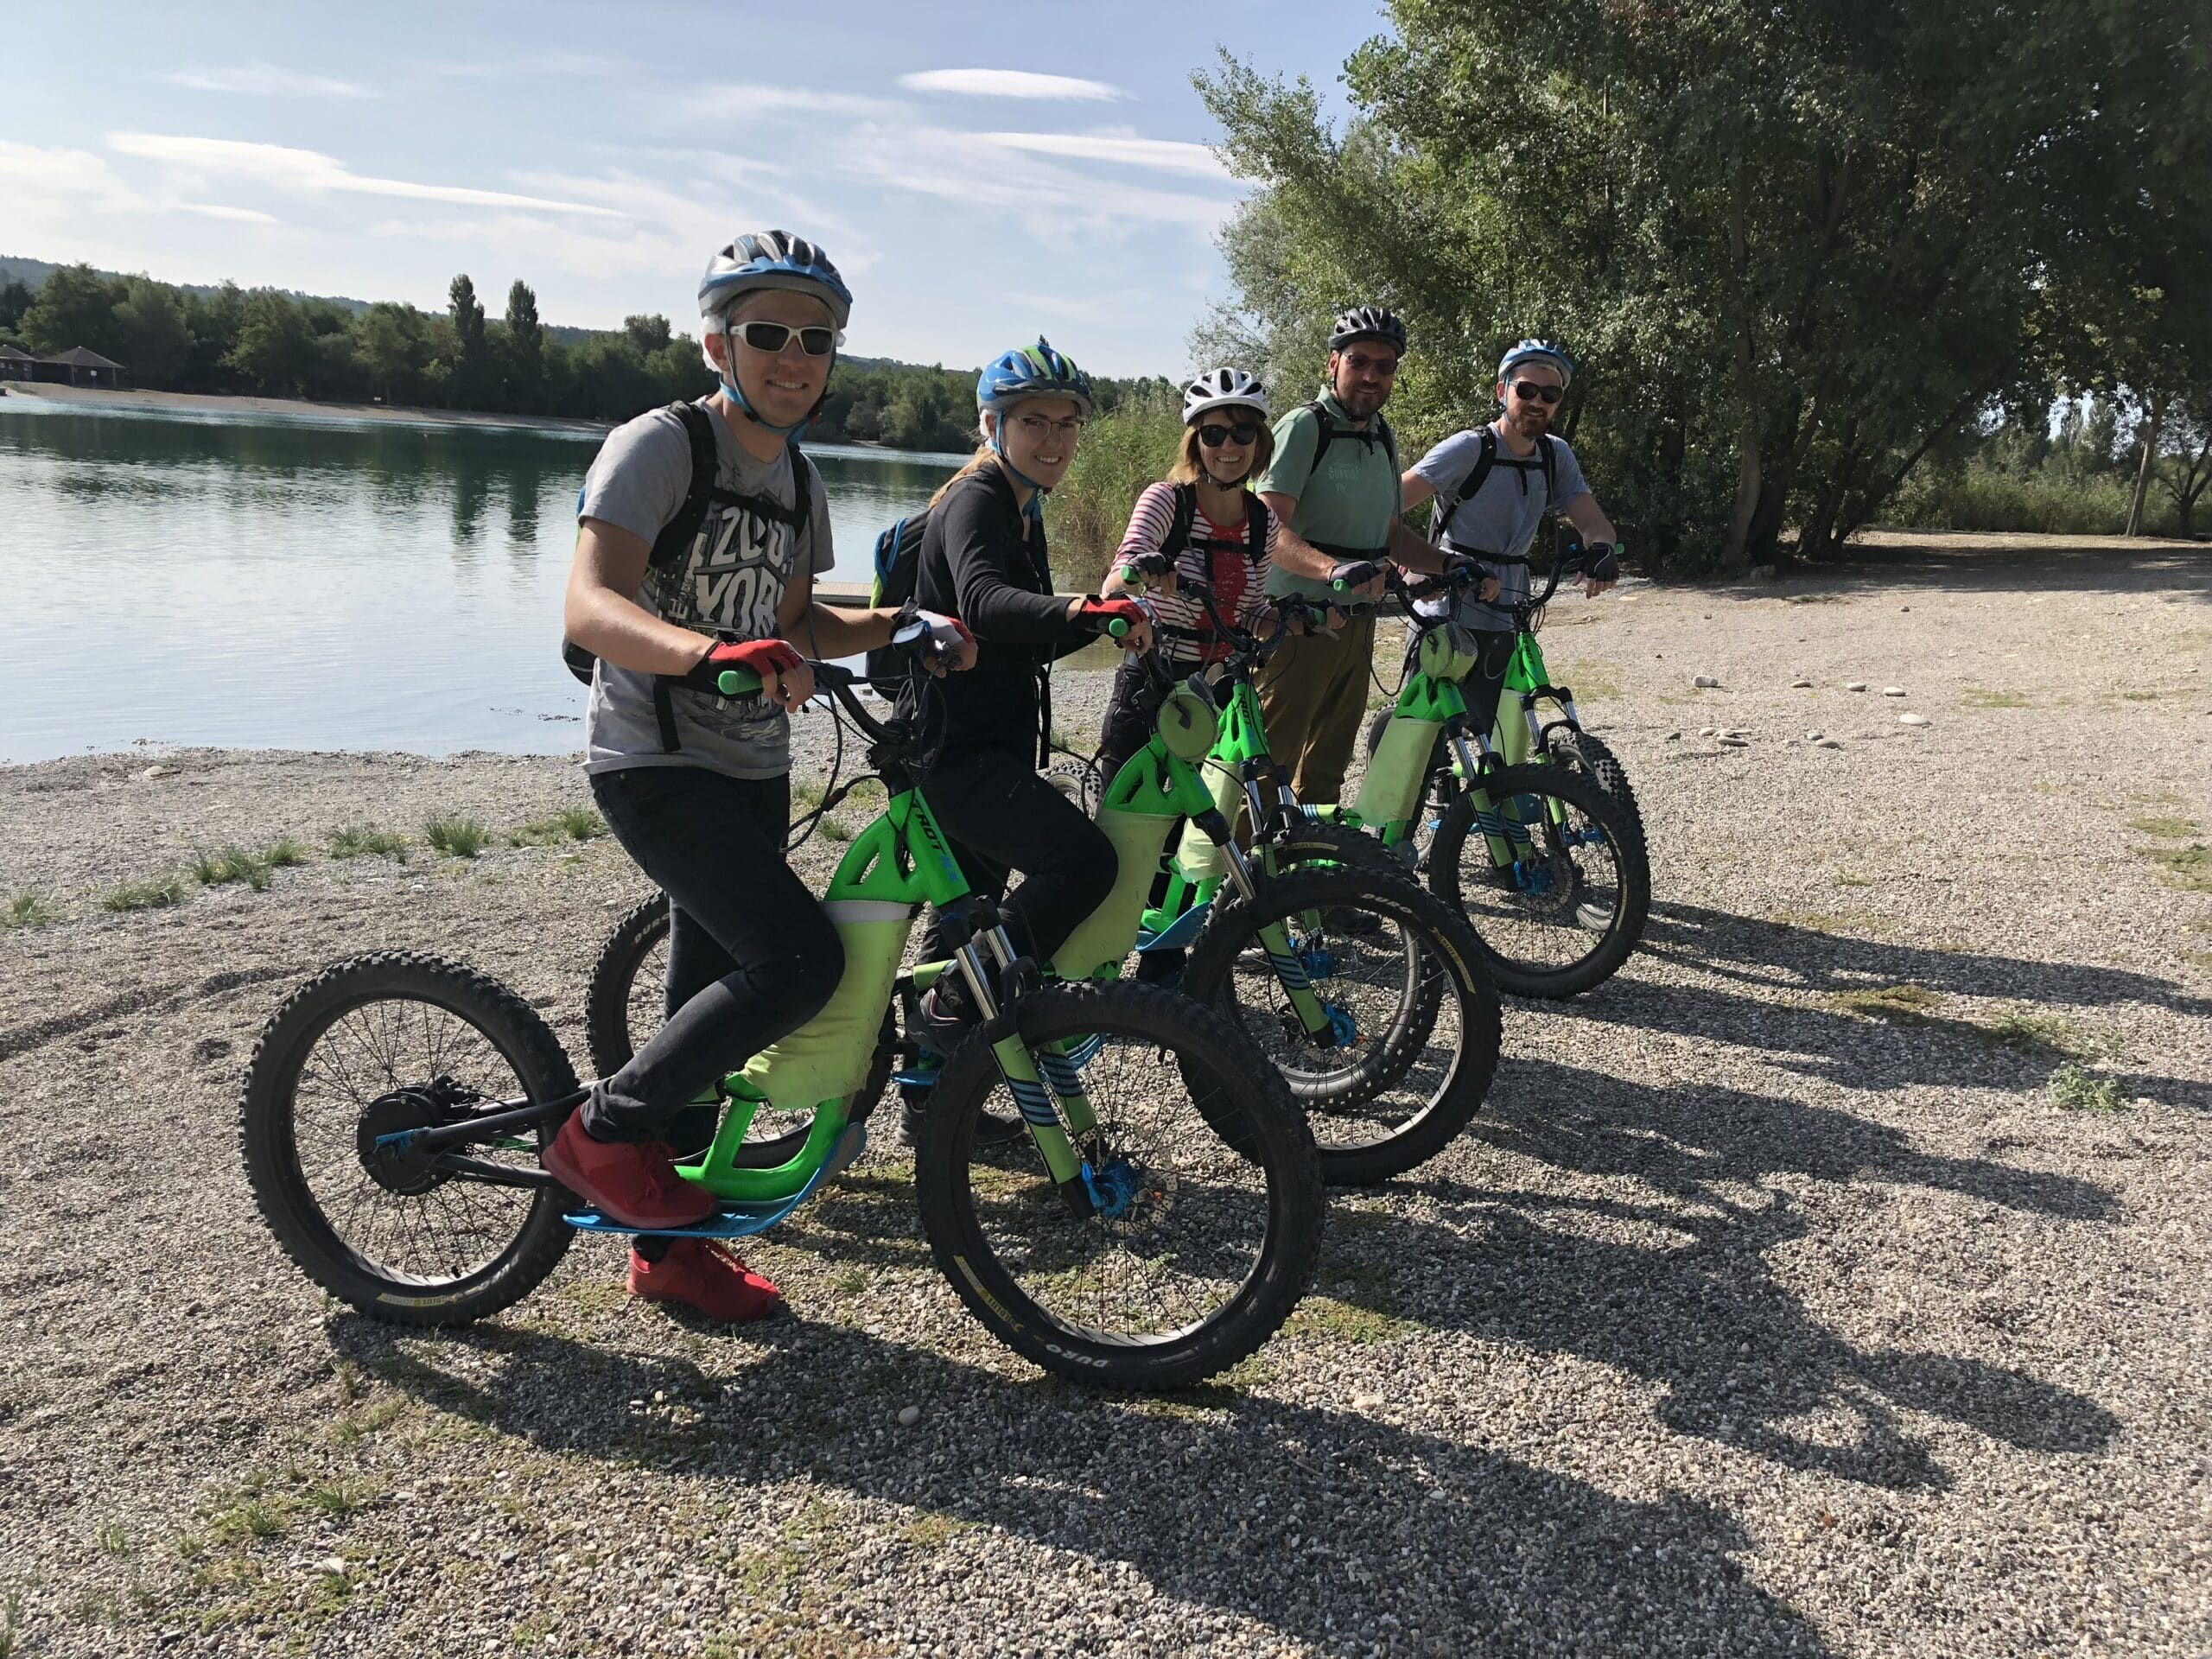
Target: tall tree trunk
column 1735, row 551
column 2151, row 432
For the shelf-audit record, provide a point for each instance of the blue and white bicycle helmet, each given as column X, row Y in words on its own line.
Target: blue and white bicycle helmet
column 769, row 260
column 1032, row 372
column 1537, row 350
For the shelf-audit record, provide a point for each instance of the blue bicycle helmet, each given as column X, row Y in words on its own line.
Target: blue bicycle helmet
column 1538, row 351
column 1032, row 372
column 747, row 264
column 759, row 259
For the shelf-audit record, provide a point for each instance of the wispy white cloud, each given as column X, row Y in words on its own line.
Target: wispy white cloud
column 1105, row 308
column 745, row 101
column 1056, row 204
column 1163, row 155
column 235, row 215
column 76, row 178
column 1013, row 83
column 309, row 172
column 259, row 79
column 534, row 63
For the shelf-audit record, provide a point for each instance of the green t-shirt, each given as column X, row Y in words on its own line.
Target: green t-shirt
column 1350, row 502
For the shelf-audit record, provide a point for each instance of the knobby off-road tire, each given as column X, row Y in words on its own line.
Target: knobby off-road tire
column 1547, row 945
column 622, row 1008
column 1589, row 757
column 356, row 1031
column 1322, row 840
column 1418, row 1079
column 1220, row 1244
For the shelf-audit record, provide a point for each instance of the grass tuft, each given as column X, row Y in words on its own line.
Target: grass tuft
column 456, row 837
column 1978, row 698
column 28, row 909
column 1906, row 1001
column 2073, row 1090
column 2047, row 1034
column 145, row 895
column 2163, row 828
column 2187, row 867
column 570, row 823
column 359, row 841
column 836, row 829
column 228, row 864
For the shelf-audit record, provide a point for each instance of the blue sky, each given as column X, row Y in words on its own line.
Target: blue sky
column 980, row 173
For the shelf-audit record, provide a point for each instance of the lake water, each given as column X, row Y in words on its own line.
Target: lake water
column 251, row 581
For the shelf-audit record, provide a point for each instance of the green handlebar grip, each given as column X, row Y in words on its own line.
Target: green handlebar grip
column 1341, row 585
column 737, row 682
column 1130, row 573
column 1116, row 626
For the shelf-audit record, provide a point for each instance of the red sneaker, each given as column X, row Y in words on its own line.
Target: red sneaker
column 632, row 1184
column 701, row 1273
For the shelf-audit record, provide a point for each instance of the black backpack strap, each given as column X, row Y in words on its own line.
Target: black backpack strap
column 1484, row 459
column 1179, row 523
column 1256, row 520
column 676, row 536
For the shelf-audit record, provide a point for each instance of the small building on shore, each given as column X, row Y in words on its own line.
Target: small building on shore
column 17, row 365
column 81, row 366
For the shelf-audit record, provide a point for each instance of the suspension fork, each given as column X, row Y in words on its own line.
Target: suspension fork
column 1020, row 1068
column 1282, row 956
column 1500, row 824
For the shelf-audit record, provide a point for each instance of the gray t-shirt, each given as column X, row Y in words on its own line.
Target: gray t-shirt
column 1504, row 516
column 728, row 583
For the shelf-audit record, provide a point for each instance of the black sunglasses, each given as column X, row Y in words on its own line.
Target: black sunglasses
column 1534, row 391
column 770, row 337
column 1214, row 436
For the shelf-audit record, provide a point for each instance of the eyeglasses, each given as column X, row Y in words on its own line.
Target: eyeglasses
column 772, row 337
column 1214, row 436
column 1534, row 391
column 1037, row 426
column 1361, row 362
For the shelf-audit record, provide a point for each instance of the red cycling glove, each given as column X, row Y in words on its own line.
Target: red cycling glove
column 761, row 657
column 1097, row 614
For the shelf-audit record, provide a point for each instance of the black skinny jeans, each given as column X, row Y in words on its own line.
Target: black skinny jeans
column 752, row 956
column 1000, row 816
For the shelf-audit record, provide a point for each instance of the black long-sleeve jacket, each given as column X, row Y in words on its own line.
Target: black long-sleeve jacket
column 985, row 563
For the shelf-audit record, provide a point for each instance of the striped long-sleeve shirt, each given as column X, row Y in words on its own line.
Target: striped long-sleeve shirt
column 1219, row 553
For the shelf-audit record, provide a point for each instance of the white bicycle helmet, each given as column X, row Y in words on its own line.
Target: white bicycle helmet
column 1223, row 388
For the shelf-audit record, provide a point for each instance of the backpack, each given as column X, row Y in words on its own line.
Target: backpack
column 898, row 563
column 1256, row 520
column 1481, row 470
column 1329, row 432
column 677, row 535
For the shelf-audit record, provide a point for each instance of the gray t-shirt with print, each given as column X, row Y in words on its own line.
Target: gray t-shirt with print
column 730, row 584
column 1502, row 516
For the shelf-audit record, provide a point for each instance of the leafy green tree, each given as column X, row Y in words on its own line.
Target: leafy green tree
column 15, row 300
column 1798, row 249
column 391, row 343
column 274, row 349
column 75, row 306
column 649, row 334
column 471, row 361
column 155, row 337
column 525, row 348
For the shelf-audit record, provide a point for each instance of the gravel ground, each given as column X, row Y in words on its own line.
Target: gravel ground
column 1769, row 1308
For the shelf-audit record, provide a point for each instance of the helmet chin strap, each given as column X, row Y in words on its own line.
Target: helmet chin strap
column 1037, row 492
column 737, row 395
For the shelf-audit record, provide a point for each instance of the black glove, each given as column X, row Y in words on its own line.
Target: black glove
column 1600, row 562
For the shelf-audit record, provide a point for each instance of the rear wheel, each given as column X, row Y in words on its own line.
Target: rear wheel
column 1413, row 1035
column 1199, row 1249
column 1542, row 864
column 372, row 1046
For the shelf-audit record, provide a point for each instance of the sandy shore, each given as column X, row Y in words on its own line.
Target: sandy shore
column 290, row 408
column 1768, row 1308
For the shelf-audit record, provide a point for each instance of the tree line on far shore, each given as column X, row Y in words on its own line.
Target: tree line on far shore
column 267, row 343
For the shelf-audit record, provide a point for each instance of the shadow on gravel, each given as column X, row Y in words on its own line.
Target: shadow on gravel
column 1892, row 1048
column 2185, row 572
column 1696, row 1307
column 1324, row 1526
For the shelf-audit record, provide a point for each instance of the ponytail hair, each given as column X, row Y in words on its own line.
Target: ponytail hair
column 975, row 463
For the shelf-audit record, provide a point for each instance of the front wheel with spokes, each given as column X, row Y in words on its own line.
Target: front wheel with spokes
column 372, row 1046
column 1203, row 1226
column 1547, row 869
